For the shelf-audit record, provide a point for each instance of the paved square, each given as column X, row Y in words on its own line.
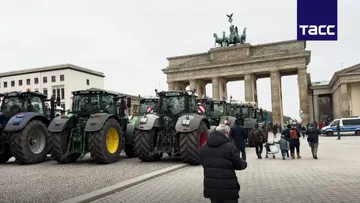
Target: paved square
column 334, row 177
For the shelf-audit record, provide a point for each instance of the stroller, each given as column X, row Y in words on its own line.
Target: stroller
column 271, row 146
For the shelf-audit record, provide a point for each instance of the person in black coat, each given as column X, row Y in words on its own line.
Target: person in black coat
column 220, row 158
column 239, row 135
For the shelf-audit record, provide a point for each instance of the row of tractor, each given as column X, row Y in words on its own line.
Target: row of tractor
column 176, row 123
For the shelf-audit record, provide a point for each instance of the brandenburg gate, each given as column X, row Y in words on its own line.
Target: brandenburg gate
column 247, row 62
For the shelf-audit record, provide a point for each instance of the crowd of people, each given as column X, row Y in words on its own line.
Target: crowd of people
column 220, row 155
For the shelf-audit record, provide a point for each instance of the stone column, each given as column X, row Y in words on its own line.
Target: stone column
column 222, row 89
column 200, row 88
column 225, row 90
column 316, row 108
column 275, row 80
column 345, row 107
column 250, row 88
column 303, row 95
column 215, row 89
column 193, row 84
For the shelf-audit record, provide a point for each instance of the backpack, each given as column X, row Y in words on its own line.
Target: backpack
column 293, row 134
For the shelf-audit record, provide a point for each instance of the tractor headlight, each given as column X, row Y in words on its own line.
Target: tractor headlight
column 143, row 120
column 186, row 122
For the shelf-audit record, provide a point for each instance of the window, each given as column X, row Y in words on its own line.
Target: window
column 62, row 106
column 28, row 81
column 347, row 122
column 108, row 104
column 36, row 90
column 87, row 82
column 54, row 92
column 62, row 77
column 45, row 92
column 12, row 83
column 335, row 123
column 37, row 105
column 5, row 84
column 44, row 79
column 58, row 93
column 36, row 80
column 20, row 82
column 53, row 79
column 62, row 93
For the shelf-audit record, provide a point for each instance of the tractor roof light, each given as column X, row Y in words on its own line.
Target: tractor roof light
column 27, row 89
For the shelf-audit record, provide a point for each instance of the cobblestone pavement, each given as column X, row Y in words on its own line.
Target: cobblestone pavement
column 50, row 182
column 334, row 177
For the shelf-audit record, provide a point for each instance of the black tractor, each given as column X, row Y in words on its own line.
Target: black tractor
column 95, row 124
column 24, row 119
column 175, row 128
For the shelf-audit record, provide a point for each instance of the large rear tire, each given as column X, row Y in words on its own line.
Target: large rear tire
column 191, row 143
column 61, row 142
column 105, row 144
column 145, row 142
column 31, row 144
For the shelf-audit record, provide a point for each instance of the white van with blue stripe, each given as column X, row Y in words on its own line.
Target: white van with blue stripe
column 348, row 126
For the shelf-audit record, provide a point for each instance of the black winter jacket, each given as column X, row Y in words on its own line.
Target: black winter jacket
column 313, row 134
column 239, row 135
column 220, row 158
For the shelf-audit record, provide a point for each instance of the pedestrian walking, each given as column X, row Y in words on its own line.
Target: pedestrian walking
column 257, row 137
column 338, row 130
column 294, row 142
column 303, row 131
column 286, row 133
column 284, row 146
column 239, row 135
column 220, row 158
column 313, row 139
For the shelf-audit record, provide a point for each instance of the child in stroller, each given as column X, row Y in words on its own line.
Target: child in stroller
column 271, row 146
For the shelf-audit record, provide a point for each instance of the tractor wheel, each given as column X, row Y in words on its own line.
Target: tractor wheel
column 144, row 145
column 61, row 142
column 105, row 144
column 6, row 155
column 191, row 143
column 31, row 144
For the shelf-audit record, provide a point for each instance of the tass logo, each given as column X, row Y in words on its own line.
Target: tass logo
column 317, row 20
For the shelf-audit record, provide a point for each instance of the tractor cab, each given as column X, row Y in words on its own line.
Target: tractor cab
column 176, row 103
column 17, row 102
column 148, row 105
column 215, row 109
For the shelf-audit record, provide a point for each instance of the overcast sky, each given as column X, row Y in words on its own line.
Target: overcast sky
column 130, row 40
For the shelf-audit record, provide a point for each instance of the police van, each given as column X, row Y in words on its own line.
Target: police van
column 348, row 126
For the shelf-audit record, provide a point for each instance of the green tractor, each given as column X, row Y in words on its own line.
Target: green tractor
column 24, row 119
column 94, row 125
column 176, row 128
column 215, row 110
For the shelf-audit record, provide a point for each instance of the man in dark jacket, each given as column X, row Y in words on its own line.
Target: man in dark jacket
column 338, row 130
column 220, row 158
column 286, row 133
column 239, row 136
column 258, row 138
column 313, row 139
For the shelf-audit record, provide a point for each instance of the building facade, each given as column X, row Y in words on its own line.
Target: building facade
column 60, row 80
column 337, row 98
